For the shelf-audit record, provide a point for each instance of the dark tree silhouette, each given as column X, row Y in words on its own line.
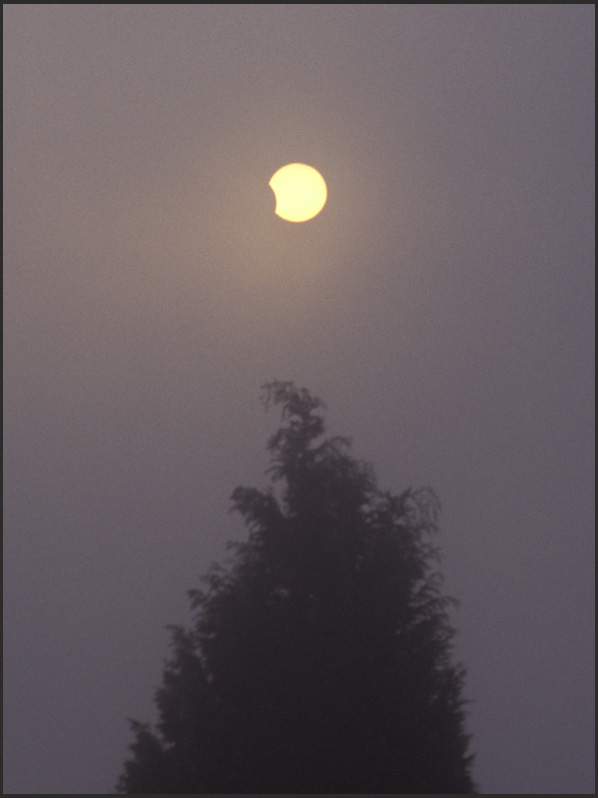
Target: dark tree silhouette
column 319, row 660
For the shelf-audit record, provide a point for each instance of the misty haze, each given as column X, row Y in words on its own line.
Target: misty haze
column 441, row 304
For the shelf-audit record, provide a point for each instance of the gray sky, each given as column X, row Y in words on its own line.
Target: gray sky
column 441, row 305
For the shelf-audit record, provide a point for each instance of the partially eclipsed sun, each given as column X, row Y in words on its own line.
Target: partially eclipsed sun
column 300, row 192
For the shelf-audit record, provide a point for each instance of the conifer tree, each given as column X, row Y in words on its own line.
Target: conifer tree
column 319, row 659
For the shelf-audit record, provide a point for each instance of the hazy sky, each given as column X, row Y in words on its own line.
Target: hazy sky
column 442, row 305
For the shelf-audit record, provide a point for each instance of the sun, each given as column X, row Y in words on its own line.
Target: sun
column 300, row 192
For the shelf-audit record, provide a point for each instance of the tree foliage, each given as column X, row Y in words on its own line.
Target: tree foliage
column 319, row 660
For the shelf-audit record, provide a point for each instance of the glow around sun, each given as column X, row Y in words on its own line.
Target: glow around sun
column 300, row 192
